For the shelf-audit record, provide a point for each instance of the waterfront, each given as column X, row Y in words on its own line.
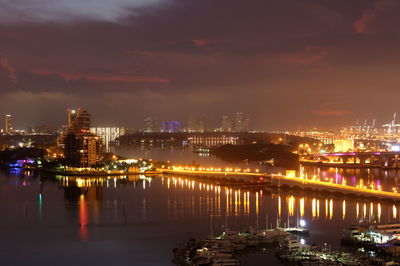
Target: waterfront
column 124, row 221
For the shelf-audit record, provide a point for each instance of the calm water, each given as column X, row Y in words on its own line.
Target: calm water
column 138, row 220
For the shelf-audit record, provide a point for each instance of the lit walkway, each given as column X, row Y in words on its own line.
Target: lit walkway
column 291, row 181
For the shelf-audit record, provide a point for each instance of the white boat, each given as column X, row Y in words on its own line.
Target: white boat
column 271, row 235
column 292, row 244
column 297, row 230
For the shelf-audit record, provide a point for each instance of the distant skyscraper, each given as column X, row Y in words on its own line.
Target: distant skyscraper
column 8, row 125
column 195, row 124
column 192, row 124
column 78, row 120
column 152, row 124
column 171, row 126
column 226, row 125
column 241, row 122
column 202, row 124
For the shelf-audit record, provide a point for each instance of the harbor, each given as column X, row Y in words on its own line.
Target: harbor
column 226, row 250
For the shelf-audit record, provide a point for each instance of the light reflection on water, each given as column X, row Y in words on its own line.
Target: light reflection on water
column 136, row 216
column 188, row 197
column 373, row 178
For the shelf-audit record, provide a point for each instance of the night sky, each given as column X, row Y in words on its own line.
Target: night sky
column 290, row 64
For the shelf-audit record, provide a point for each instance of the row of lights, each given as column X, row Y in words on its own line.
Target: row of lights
column 212, row 169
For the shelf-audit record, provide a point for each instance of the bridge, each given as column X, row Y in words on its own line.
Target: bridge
column 279, row 180
column 354, row 159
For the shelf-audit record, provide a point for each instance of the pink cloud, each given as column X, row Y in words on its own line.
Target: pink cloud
column 12, row 74
column 310, row 55
column 104, row 77
column 205, row 42
column 361, row 25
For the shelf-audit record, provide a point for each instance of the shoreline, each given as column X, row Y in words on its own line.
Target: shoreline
column 73, row 173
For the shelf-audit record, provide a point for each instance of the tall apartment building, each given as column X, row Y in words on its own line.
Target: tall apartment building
column 78, row 120
column 241, row 122
column 81, row 148
column 8, row 125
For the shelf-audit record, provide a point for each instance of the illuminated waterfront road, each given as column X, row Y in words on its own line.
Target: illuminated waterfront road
column 290, row 181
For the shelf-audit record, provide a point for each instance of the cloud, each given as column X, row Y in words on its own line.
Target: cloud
column 330, row 112
column 205, row 42
column 103, row 77
column 11, row 73
column 360, row 25
column 12, row 11
column 381, row 17
column 308, row 56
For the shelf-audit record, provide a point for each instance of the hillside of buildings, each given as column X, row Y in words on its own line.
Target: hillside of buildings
column 282, row 155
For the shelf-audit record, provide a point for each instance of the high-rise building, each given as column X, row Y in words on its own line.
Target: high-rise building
column 192, row 124
column 151, row 124
column 108, row 134
column 8, row 125
column 171, row 126
column 78, row 120
column 202, row 124
column 82, row 149
column 195, row 124
column 226, row 125
column 241, row 122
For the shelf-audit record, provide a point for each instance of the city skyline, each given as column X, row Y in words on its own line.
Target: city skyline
column 199, row 132
column 199, row 123
column 313, row 64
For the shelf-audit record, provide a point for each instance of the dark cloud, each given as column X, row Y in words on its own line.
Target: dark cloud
column 288, row 63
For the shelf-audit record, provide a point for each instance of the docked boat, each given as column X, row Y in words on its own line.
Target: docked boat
column 270, row 236
column 297, row 230
column 391, row 247
column 226, row 262
column 292, row 244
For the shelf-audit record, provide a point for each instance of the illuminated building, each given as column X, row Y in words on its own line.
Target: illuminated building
column 211, row 141
column 192, row 124
column 152, row 125
column 241, row 122
column 202, row 124
column 82, row 149
column 8, row 126
column 196, row 125
column 226, row 125
column 108, row 134
column 78, row 120
column 171, row 126
column 344, row 145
